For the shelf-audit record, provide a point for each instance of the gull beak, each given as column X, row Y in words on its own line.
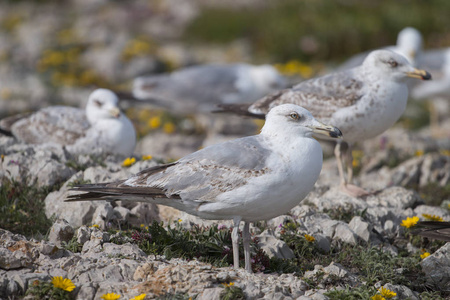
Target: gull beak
column 419, row 74
column 327, row 130
column 115, row 112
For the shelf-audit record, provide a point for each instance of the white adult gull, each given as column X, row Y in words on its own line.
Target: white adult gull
column 248, row 179
column 201, row 88
column 363, row 102
column 100, row 128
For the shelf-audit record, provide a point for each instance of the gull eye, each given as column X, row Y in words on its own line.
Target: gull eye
column 393, row 63
column 98, row 103
column 295, row 116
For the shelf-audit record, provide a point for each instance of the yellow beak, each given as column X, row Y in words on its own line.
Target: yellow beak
column 115, row 112
column 419, row 74
column 326, row 130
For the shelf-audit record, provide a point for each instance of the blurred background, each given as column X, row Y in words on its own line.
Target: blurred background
column 54, row 52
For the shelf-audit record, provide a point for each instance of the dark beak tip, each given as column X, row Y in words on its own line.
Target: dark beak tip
column 336, row 133
column 427, row 76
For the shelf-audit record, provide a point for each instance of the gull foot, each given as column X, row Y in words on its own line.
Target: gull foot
column 354, row 191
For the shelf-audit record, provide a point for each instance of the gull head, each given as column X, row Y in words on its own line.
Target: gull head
column 409, row 43
column 295, row 120
column 267, row 78
column 387, row 65
column 102, row 104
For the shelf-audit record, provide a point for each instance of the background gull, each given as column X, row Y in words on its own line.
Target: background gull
column 409, row 44
column 437, row 90
column 363, row 102
column 101, row 128
column 248, row 179
column 201, row 88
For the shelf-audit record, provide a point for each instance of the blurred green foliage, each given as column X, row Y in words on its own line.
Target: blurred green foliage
column 314, row 30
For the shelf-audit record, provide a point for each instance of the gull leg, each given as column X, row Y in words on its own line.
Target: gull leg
column 235, row 241
column 338, row 154
column 346, row 186
column 349, row 157
column 246, row 240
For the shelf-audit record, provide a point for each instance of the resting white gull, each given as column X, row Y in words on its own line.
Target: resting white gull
column 409, row 44
column 363, row 102
column 201, row 88
column 101, row 128
column 248, row 179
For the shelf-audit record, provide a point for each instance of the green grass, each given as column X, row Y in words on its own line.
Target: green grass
column 22, row 208
column 338, row 29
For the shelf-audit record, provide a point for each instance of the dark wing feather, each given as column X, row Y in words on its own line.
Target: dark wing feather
column 106, row 191
column 433, row 229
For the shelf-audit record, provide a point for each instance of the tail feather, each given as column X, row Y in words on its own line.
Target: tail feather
column 239, row 109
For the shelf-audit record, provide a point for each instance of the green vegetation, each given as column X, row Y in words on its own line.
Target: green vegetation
column 318, row 30
column 22, row 208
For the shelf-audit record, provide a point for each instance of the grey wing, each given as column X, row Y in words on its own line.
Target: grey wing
column 203, row 175
column 321, row 96
column 57, row 124
column 198, row 84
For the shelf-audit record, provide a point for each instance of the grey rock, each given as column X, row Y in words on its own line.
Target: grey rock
column 83, row 234
column 104, row 215
column 437, row 268
column 322, row 242
column 345, row 234
column 210, row 294
column 360, row 228
column 61, row 231
column 273, row 246
column 128, row 250
column 431, row 210
column 396, row 197
column 435, row 169
column 402, row 291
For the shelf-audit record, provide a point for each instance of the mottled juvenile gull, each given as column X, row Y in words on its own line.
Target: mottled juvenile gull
column 201, row 88
column 101, row 128
column 363, row 102
column 409, row 44
column 248, row 179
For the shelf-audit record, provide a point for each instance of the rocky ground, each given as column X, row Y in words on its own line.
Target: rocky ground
column 409, row 173
column 331, row 246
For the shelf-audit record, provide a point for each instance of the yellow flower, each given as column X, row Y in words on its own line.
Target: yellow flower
column 95, row 226
column 378, row 297
column 2, row 157
column 110, row 296
column 419, row 153
column 355, row 163
column 140, row 297
column 445, row 152
column 387, row 293
column 228, row 284
column 64, row 284
column 179, row 220
column 128, row 161
column 410, row 222
column 433, row 217
column 154, row 122
column 169, row 128
column 424, row 255
column 147, row 157
column 142, row 225
column 309, row 238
